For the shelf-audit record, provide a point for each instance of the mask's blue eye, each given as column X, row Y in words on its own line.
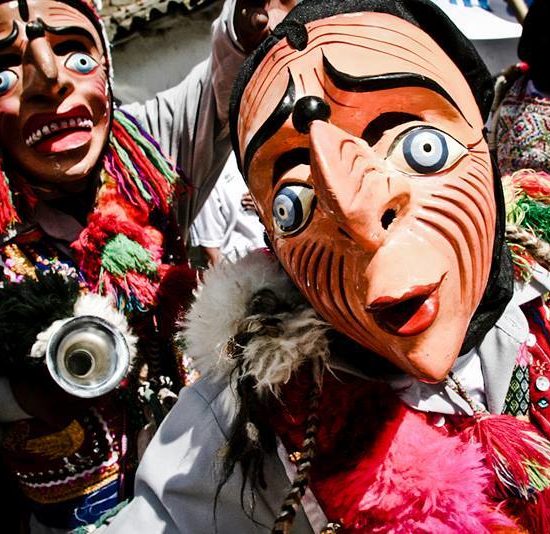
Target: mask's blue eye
column 81, row 63
column 292, row 206
column 425, row 150
column 7, row 81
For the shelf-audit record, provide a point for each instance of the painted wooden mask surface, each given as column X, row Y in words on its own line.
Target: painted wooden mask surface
column 54, row 90
column 365, row 154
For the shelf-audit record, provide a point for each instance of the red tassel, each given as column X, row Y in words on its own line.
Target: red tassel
column 535, row 185
column 8, row 215
column 519, row 456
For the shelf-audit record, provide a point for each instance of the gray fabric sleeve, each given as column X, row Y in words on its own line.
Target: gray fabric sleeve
column 190, row 120
column 10, row 411
column 179, row 473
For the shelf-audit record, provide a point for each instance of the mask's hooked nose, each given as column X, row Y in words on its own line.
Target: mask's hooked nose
column 41, row 72
column 353, row 182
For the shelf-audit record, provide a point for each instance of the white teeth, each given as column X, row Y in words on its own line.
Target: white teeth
column 56, row 126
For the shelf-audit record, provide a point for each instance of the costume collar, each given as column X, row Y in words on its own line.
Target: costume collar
column 485, row 371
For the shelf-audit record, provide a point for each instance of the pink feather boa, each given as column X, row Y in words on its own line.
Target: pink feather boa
column 416, row 480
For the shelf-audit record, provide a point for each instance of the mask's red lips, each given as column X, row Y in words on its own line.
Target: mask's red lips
column 409, row 315
column 57, row 132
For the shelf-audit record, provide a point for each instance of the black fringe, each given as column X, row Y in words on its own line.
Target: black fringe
column 26, row 309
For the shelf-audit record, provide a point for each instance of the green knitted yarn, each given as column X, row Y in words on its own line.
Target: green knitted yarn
column 152, row 152
column 122, row 255
column 534, row 216
column 126, row 160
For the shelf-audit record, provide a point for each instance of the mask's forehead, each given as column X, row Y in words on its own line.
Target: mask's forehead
column 359, row 44
column 54, row 13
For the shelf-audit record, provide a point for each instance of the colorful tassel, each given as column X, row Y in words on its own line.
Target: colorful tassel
column 120, row 251
column 122, row 255
column 8, row 214
column 527, row 195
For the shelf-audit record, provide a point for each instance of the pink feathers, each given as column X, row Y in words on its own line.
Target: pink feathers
column 417, row 480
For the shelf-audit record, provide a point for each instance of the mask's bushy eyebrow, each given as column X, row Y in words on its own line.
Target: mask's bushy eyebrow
column 8, row 41
column 69, row 31
column 23, row 10
column 273, row 123
column 380, row 82
column 386, row 121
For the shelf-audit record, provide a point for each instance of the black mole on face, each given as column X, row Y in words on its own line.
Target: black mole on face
column 35, row 29
column 307, row 110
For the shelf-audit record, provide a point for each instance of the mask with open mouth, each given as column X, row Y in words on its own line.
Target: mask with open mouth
column 55, row 104
column 362, row 142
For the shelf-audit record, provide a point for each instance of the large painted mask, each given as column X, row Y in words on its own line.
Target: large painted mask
column 362, row 142
column 54, row 89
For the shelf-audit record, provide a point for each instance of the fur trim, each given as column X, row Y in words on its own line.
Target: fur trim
column 271, row 358
column 222, row 311
column 97, row 306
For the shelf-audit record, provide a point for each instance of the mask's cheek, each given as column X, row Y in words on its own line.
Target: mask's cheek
column 94, row 91
column 10, row 122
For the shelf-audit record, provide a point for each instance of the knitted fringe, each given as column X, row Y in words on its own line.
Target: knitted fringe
column 8, row 215
column 120, row 251
column 134, row 160
column 527, row 196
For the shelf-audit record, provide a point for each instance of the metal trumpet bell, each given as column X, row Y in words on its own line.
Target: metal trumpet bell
column 87, row 357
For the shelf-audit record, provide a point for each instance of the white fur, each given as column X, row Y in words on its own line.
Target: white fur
column 272, row 360
column 38, row 350
column 221, row 307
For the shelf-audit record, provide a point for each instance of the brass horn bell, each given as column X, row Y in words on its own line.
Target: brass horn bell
column 87, row 356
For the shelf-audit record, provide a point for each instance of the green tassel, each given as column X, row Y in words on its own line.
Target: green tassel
column 125, row 158
column 536, row 217
column 148, row 149
column 538, row 475
column 122, row 255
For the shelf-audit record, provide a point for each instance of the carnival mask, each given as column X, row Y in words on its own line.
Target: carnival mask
column 54, row 95
column 365, row 154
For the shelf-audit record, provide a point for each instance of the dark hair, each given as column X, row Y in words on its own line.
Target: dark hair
column 535, row 42
column 535, row 33
column 422, row 13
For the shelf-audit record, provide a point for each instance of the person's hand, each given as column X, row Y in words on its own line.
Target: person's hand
column 39, row 396
column 247, row 203
column 255, row 19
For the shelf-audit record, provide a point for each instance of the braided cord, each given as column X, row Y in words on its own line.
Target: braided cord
column 293, row 500
column 455, row 384
column 539, row 249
